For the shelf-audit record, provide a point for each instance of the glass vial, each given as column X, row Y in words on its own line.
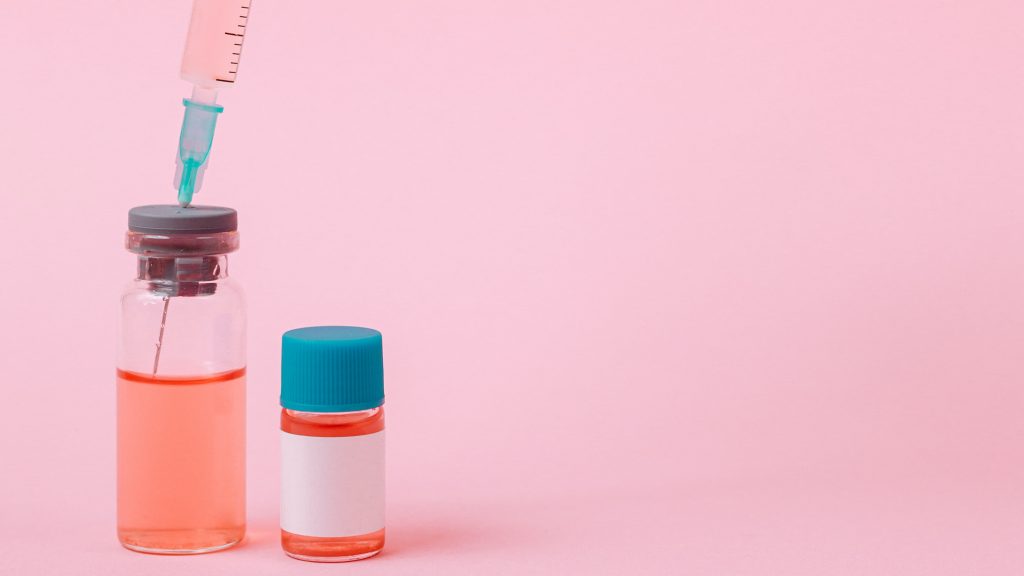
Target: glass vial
column 332, row 443
column 181, row 385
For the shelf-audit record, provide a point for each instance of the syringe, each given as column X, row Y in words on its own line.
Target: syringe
column 212, row 53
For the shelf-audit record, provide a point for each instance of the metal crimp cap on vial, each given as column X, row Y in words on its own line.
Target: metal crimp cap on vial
column 168, row 230
column 332, row 369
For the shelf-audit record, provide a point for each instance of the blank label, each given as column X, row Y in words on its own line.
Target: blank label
column 332, row 486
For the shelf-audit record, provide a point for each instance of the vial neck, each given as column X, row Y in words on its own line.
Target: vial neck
column 332, row 423
column 166, row 269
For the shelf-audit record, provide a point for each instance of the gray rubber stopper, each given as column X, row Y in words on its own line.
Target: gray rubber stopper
column 173, row 219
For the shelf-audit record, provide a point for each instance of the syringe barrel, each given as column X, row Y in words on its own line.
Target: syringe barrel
column 214, row 45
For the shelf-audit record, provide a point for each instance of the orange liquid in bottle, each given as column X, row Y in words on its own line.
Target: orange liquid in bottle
column 180, row 462
column 337, row 549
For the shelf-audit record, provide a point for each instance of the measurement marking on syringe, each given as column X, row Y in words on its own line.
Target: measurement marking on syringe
column 223, row 80
column 233, row 34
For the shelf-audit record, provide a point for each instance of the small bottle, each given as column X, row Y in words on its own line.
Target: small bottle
column 181, row 385
column 332, row 443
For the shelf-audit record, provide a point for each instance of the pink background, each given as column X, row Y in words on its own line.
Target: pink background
column 667, row 287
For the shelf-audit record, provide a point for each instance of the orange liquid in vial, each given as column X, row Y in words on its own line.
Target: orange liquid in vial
column 180, row 462
column 342, row 548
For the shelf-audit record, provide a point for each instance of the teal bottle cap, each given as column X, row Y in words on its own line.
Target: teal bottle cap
column 332, row 369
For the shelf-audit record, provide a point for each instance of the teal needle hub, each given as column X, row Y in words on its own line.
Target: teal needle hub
column 194, row 145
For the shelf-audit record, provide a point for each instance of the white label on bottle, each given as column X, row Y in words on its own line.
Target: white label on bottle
column 332, row 486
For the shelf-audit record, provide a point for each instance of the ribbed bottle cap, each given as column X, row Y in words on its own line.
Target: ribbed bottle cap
column 332, row 369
